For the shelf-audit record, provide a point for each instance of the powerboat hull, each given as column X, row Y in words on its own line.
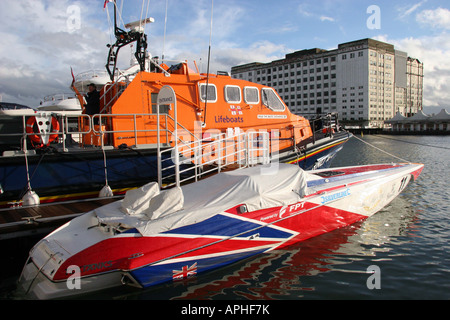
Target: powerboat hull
column 105, row 255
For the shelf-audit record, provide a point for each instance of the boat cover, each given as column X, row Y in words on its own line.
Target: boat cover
column 257, row 187
column 137, row 200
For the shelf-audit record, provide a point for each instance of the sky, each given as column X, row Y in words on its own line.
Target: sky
column 41, row 40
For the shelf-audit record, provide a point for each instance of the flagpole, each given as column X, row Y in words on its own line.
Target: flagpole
column 77, row 93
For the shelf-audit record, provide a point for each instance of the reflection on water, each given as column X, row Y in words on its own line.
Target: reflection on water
column 282, row 274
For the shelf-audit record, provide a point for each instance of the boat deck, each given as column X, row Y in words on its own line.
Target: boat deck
column 24, row 221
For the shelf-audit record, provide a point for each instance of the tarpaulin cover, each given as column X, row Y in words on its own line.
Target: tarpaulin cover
column 257, row 187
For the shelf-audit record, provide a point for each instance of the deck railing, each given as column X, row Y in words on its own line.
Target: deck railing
column 192, row 161
column 81, row 130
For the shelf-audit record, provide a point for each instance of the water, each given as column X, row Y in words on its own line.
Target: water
column 409, row 241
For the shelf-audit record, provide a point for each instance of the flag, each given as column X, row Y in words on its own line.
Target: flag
column 185, row 272
column 73, row 77
column 78, row 94
column 106, row 2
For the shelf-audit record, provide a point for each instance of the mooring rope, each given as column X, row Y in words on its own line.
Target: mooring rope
column 390, row 154
column 420, row 144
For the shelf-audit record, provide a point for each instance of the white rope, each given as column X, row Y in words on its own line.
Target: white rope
column 411, row 142
column 146, row 12
column 142, row 13
column 119, row 13
column 164, row 39
column 390, row 154
column 111, row 27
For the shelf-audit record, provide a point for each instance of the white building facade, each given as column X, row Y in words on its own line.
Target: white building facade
column 365, row 81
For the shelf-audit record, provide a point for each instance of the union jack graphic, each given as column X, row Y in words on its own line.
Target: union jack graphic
column 185, row 272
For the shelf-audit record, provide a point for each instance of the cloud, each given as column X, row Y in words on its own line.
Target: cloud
column 437, row 19
column 404, row 12
column 325, row 18
column 307, row 11
column 261, row 51
column 433, row 51
column 225, row 54
column 40, row 42
column 189, row 38
column 304, row 10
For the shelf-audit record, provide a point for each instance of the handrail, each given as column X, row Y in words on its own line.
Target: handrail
column 60, row 96
column 87, row 75
column 108, row 104
column 64, row 130
column 204, row 155
column 208, row 155
column 64, row 118
column 135, row 130
column 88, row 126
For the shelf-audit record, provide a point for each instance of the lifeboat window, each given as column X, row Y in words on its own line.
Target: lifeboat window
column 164, row 108
column 232, row 94
column 271, row 100
column 211, row 92
column 251, row 95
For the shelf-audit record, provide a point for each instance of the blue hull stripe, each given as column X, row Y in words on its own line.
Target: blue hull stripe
column 223, row 226
column 156, row 274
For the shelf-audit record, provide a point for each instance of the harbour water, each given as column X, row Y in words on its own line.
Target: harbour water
column 407, row 244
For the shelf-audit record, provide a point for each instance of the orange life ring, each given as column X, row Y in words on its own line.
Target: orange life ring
column 36, row 134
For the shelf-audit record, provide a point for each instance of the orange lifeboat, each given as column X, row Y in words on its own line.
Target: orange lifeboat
column 210, row 103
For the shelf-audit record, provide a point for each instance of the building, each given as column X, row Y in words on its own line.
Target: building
column 365, row 81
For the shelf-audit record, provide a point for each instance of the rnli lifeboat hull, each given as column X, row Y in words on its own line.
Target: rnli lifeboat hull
column 61, row 176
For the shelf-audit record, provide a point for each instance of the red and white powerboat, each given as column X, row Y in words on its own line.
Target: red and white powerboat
column 153, row 236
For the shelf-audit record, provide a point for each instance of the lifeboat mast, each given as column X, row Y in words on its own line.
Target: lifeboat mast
column 123, row 38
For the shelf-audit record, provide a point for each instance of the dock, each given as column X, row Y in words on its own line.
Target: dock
column 17, row 222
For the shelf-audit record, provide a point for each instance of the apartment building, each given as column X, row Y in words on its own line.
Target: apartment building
column 365, row 81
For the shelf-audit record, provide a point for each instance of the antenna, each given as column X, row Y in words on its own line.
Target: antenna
column 138, row 26
column 209, row 58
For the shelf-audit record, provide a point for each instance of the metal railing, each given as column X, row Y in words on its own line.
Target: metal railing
column 192, row 161
column 324, row 125
column 79, row 125
column 141, row 126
